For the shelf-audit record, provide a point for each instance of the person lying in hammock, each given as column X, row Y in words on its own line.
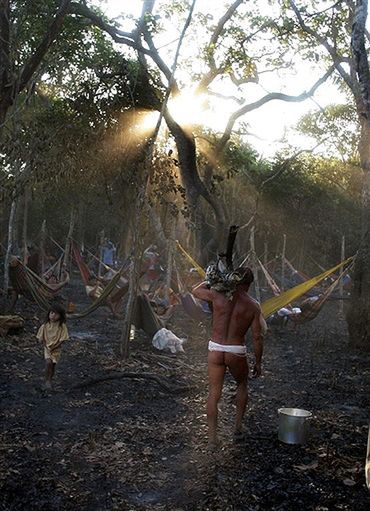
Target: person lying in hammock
column 53, row 280
column 95, row 288
column 309, row 303
column 282, row 316
column 286, row 314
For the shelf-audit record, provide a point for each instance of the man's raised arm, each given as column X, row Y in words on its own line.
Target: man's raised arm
column 202, row 292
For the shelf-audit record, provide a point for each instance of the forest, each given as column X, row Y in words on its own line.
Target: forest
column 184, row 255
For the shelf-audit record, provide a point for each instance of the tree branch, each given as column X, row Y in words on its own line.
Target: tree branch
column 83, row 10
column 284, row 166
column 332, row 52
column 163, row 382
column 134, row 41
column 240, row 81
column 318, row 13
column 225, row 97
column 214, row 71
column 158, row 60
column 35, row 60
column 265, row 99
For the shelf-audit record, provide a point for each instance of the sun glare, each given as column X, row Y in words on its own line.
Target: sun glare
column 187, row 108
column 148, row 121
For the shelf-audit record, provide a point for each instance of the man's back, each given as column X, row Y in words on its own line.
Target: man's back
column 232, row 318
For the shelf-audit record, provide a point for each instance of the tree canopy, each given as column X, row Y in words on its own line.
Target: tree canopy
column 81, row 93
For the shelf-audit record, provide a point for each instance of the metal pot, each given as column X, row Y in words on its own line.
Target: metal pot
column 293, row 425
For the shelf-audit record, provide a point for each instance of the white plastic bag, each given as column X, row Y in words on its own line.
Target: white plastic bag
column 165, row 339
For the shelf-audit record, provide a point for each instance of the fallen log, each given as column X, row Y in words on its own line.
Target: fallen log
column 168, row 386
column 11, row 322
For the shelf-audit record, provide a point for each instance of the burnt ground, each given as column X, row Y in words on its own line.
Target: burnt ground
column 130, row 444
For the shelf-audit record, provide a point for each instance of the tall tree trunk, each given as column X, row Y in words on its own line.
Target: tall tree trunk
column 358, row 317
column 42, row 247
column 342, row 258
column 67, row 253
column 283, row 263
column 124, row 241
column 142, row 191
column 255, row 266
column 170, row 255
column 8, row 254
column 101, row 249
column 156, row 224
column 133, row 284
column 25, row 224
column 194, row 186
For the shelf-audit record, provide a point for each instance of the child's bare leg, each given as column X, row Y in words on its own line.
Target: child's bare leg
column 49, row 372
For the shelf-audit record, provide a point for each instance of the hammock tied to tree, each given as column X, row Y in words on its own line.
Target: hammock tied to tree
column 275, row 303
column 279, row 301
column 29, row 284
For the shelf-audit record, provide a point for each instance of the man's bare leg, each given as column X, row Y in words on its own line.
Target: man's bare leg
column 238, row 367
column 241, row 405
column 216, row 373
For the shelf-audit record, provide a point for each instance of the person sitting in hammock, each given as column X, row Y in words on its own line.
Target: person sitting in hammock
column 53, row 279
column 164, row 299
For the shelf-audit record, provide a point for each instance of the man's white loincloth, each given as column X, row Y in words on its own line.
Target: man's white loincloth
column 237, row 349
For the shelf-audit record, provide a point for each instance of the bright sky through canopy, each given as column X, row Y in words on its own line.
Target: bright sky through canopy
column 266, row 126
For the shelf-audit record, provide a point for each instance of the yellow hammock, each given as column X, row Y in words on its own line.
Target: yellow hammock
column 277, row 302
column 199, row 269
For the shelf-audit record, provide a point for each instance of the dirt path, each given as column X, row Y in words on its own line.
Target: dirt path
column 127, row 444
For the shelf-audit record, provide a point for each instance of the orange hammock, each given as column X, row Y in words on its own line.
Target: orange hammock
column 114, row 298
column 85, row 272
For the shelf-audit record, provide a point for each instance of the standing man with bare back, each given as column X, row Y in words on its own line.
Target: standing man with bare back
column 233, row 315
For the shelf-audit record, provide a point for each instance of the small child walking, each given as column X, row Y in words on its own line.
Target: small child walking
column 52, row 334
